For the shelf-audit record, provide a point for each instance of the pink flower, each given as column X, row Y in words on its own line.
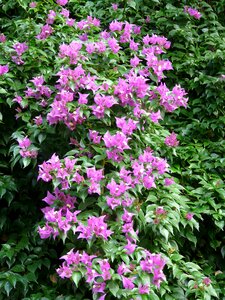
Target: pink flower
column 129, row 247
column 62, row 2
column 45, row 232
column 83, row 98
column 46, row 31
column 95, row 175
column 94, row 136
column 18, row 100
column 115, row 189
column 207, row 281
column 70, row 22
column 113, row 44
column 24, row 143
column 193, row 12
column 105, row 35
column 168, row 181
column 102, row 297
column 33, row 4
column 113, row 202
column 98, row 287
column 134, row 62
column 144, row 289
column 158, row 277
column 17, row 60
column 128, row 126
column 90, row 48
column 20, row 48
column 171, row 140
column 38, row 81
column 148, row 182
column 137, row 29
column 96, row 226
column 28, row 153
column 72, row 257
column 123, row 269
column 127, row 202
column 51, row 17
column 127, row 217
column 64, row 271
column 4, row 69
column 105, row 268
column 133, row 45
column 100, row 46
column 161, row 165
column 102, row 103
column 156, row 116
column 128, row 282
column 114, row 6
column 147, row 20
column 2, row 38
column 65, row 12
column 93, row 21
column 91, row 274
column 160, row 40
column 119, row 141
column 83, row 37
column 189, row 216
column 160, row 211
column 171, row 100
column 116, row 26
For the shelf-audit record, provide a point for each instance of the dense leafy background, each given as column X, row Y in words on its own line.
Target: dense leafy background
column 197, row 53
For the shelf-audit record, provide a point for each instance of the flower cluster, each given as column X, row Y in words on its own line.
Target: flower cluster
column 98, row 271
column 100, row 185
column 171, row 140
column 95, row 226
column 171, row 100
column 40, row 92
column 19, row 48
column 80, row 98
column 46, row 31
column 26, row 149
column 55, row 168
column 193, row 12
column 154, row 264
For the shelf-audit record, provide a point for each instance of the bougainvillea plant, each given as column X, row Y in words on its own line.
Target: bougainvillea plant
column 104, row 92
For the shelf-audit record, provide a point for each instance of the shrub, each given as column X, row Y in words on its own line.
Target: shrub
column 89, row 103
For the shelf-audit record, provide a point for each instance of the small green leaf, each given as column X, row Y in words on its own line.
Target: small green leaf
column 18, row 268
column 3, row 91
column 76, row 277
column 26, row 161
column 132, row 4
column 8, row 287
column 113, row 287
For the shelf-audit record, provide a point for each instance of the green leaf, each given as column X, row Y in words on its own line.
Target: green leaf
column 8, row 287
column 211, row 291
column 26, row 161
column 3, row 91
column 165, row 233
column 98, row 158
column 76, row 277
column 132, row 3
column 113, row 287
column 18, row 268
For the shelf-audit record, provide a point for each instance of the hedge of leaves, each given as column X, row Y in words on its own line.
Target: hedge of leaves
column 91, row 95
